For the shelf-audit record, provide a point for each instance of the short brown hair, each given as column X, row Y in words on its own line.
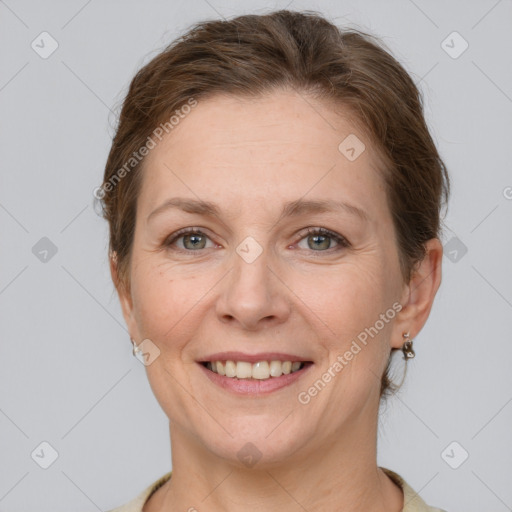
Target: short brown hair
column 252, row 55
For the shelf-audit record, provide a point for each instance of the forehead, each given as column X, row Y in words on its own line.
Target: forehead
column 280, row 146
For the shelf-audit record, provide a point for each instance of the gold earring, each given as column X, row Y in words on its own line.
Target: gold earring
column 407, row 347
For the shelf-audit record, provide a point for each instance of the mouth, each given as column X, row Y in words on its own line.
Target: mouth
column 260, row 370
column 258, row 377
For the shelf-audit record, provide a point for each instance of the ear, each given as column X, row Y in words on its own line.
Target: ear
column 125, row 299
column 418, row 295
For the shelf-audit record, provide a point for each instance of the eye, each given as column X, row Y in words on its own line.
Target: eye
column 193, row 239
column 320, row 239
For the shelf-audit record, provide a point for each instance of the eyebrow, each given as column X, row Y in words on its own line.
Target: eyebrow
column 290, row 209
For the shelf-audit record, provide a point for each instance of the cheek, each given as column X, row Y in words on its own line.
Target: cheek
column 352, row 305
column 158, row 300
column 170, row 304
column 354, row 295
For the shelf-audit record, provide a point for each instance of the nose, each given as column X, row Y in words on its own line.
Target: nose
column 253, row 296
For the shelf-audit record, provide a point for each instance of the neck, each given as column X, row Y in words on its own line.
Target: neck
column 342, row 476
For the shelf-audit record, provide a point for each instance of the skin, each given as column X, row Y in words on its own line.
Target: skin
column 250, row 156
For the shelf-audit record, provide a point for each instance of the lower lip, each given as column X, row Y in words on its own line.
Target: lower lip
column 254, row 386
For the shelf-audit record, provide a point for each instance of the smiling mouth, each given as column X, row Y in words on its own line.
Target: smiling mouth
column 262, row 370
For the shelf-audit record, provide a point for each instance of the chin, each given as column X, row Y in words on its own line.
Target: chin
column 256, row 443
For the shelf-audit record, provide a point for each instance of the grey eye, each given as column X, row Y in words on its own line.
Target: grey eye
column 194, row 241
column 319, row 242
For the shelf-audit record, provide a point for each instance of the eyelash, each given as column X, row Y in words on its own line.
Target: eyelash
column 340, row 240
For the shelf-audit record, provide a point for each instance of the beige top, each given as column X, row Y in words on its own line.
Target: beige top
column 412, row 501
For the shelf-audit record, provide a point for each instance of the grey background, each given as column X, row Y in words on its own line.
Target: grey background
column 67, row 375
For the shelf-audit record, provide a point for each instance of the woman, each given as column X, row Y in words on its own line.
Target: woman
column 273, row 196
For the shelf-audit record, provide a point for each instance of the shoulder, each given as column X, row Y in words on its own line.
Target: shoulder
column 412, row 500
column 138, row 502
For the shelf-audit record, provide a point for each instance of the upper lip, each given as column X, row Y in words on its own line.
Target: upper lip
column 252, row 358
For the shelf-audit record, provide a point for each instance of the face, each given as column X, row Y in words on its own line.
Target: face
column 264, row 277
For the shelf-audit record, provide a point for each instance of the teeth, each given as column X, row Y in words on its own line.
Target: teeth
column 220, row 368
column 230, row 369
column 295, row 366
column 261, row 370
column 243, row 370
column 275, row 368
